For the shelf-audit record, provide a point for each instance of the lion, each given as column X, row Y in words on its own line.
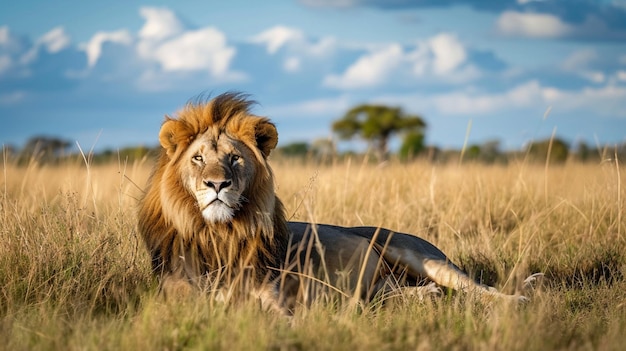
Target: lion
column 211, row 220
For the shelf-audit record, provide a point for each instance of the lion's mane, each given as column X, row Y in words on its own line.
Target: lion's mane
column 181, row 243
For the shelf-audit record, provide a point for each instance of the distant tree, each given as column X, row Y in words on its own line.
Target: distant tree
column 412, row 145
column 487, row 152
column 295, row 149
column 582, row 151
column 538, row 151
column 323, row 148
column 45, row 148
column 473, row 152
column 490, row 151
column 377, row 124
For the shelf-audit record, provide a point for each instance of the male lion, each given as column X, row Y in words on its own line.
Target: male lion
column 210, row 219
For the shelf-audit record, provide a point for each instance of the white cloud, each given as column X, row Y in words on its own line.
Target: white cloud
column 164, row 40
column 547, row 26
column 277, row 37
column 53, row 41
column 294, row 44
column 607, row 101
column 292, row 64
column 448, row 53
column 594, row 76
column 579, row 63
column 93, row 48
column 369, row 70
column 533, row 25
column 9, row 43
column 621, row 75
column 5, row 35
column 203, row 49
column 161, row 23
column 469, row 103
column 579, row 59
column 442, row 57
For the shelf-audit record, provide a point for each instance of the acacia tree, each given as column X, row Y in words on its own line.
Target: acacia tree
column 45, row 148
column 377, row 124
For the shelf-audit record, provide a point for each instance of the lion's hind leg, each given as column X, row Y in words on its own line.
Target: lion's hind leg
column 420, row 262
column 445, row 274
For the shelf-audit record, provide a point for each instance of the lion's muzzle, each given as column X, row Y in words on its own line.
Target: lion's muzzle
column 217, row 199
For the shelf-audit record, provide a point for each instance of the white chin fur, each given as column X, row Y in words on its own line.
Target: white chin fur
column 218, row 213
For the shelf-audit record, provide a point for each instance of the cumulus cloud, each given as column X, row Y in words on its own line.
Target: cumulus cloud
column 579, row 59
column 549, row 26
column 448, row 53
column 93, row 48
column 532, row 25
column 292, row 45
column 556, row 19
column 12, row 47
column 161, row 23
column 52, row 42
column 162, row 55
column 442, row 56
column 203, row 49
column 293, row 40
column 164, row 40
column 369, row 70
column 608, row 101
column 277, row 37
column 55, row 40
column 470, row 103
column 292, row 64
column 585, row 63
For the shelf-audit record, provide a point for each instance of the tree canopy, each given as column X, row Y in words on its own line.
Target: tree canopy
column 553, row 150
column 377, row 124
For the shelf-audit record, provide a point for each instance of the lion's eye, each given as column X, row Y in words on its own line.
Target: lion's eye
column 197, row 158
column 234, row 159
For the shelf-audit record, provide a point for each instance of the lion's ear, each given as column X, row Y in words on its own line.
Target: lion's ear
column 266, row 136
column 172, row 133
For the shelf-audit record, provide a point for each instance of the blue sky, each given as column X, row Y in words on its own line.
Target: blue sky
column 104, row 74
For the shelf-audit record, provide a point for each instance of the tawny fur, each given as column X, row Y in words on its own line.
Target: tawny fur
column 182, row 245
column 244, row 248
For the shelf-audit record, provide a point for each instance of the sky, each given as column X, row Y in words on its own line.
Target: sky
column 103, row 74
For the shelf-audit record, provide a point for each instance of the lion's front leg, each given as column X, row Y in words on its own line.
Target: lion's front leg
column 268, row 296
column 175, row 287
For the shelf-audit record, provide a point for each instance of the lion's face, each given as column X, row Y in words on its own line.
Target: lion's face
column 217, row 163
column 218, row 171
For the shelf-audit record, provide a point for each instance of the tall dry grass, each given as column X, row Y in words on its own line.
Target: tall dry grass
column 74, row 273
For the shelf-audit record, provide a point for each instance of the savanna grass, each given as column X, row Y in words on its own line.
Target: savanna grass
column 74, row 273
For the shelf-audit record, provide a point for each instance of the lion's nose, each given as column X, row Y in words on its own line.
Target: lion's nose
column 218, row 185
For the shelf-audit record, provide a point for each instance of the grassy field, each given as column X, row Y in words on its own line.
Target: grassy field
column 74, row 274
